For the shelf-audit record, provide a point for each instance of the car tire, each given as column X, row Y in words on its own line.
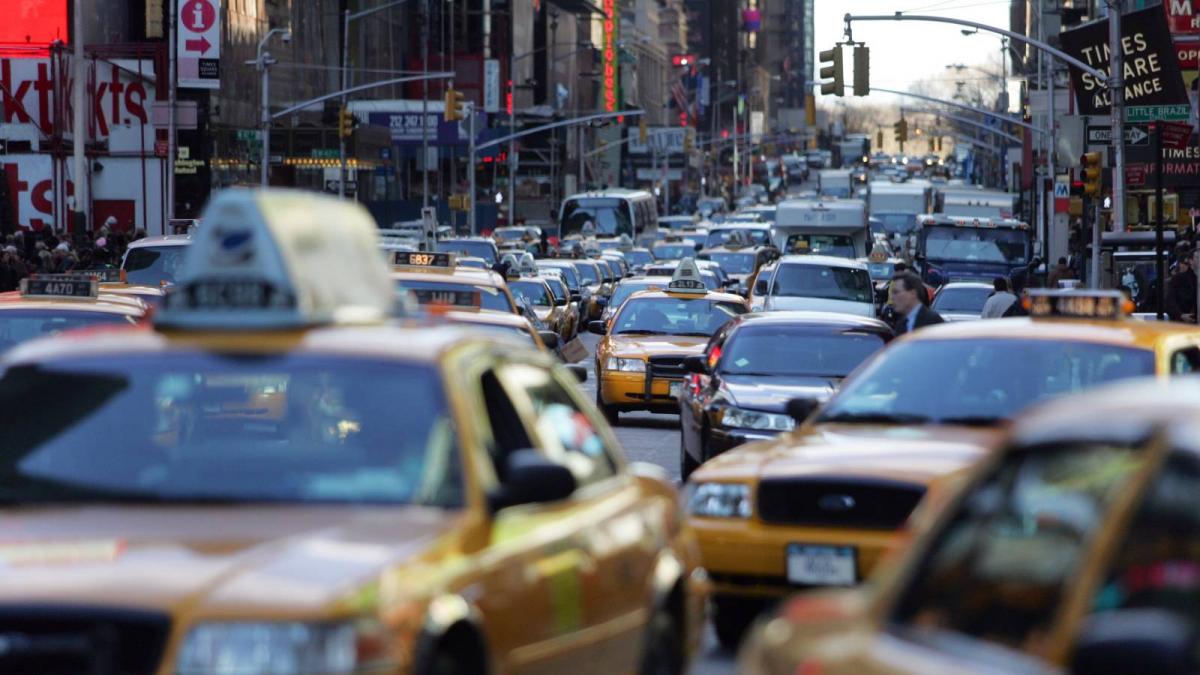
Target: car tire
column 662, row 653
column 686, row 464
column 731, row 620
column 610, row 412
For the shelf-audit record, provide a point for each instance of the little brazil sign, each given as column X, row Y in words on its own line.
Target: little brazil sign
column 1150, row 66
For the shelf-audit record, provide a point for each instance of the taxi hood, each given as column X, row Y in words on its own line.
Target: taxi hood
column 208, row 560
column 917, row 454
column 641, row 346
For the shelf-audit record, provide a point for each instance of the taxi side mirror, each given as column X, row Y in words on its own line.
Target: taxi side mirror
column 597, row 327
column 531, row 478
column 696, row 364
column 1134, row 641
column 549, row 338
column 800, row 409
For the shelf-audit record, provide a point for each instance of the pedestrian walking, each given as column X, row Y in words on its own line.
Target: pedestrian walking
column 1180, row 298
column 999, row 301
column 1060, row 271
column 908, row 292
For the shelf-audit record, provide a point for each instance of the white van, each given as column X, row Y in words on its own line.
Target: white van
column 835, row 183
column 820, row 283
column 611, row 212
column 823, row 227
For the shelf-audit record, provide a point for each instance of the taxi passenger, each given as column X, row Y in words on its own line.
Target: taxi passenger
column 1071, row 549
column 429, row 501
column 822, row 505
column 640, row 358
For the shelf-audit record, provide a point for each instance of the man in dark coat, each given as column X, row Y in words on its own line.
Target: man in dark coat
column 911, row 312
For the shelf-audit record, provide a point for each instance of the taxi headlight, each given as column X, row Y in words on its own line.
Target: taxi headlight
column 270, row 647
column 739, row 418
column 719, row 500
column 625, row 365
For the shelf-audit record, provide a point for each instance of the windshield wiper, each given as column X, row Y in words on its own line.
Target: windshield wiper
column 641, row 332
column 973, row 420
column 874, row 417
column 693, row 334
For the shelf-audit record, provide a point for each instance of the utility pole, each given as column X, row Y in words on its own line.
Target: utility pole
column 78, row 120
column 425, row 105
column 471, row 166
column 345, row 85
column 1117, row 87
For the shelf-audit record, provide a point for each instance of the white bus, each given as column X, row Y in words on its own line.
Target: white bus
column 611, row 212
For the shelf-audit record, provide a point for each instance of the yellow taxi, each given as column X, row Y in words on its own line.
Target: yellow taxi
column 429, row 500
column 48, row 304
column 822, row 505
column 526, row 285
column 436, row 279
column 510, row 324
column 639, row 360
column 114, row 281
column 1073, row 548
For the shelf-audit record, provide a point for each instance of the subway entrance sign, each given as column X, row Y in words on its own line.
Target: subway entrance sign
column 1153, row 113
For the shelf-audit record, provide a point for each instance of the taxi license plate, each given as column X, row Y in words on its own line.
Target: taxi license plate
column 674, row 388
column 821, row 565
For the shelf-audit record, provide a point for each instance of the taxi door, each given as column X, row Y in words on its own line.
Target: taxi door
column 597, row 550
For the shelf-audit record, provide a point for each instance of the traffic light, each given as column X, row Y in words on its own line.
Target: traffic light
column 879, row 139
column 689, row 140
column 810, row 110
column 1092, row 174
column 901, row 128
column 939, row 143
column 454, row 106
column 643, row 131
column 862, row 71
column 834, row 70
column 346, row 123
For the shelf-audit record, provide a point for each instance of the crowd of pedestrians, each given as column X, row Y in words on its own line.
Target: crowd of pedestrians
column 26, row 252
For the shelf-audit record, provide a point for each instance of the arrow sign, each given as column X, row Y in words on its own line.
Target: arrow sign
column 1134, row 135
column 200, row 46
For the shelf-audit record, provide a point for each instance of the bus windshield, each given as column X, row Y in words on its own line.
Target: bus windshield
column 610, row 216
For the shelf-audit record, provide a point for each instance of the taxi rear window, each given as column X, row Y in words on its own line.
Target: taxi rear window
column 17, row 326
column 201, row 427
column 428, row 291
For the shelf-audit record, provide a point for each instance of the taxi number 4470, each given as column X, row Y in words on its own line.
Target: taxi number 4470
column 821, row 565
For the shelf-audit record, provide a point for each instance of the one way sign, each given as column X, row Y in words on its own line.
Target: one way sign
column 1135, row 134
column 198, row 45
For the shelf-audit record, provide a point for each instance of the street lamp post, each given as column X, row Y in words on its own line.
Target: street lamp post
column 263, row 62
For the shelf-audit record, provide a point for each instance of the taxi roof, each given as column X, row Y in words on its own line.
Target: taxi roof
column 381, row 341
column 460, row 275
column 104, row 303
column 163, row 240
column 675, row 295
column 1144, row 334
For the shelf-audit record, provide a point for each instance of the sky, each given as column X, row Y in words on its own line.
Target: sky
column 903, row 52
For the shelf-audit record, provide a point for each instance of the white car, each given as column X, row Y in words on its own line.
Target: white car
column 821, row 283
column 962, row 300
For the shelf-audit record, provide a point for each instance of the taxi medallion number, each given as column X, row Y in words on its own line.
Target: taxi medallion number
column 232, row 294
column 821, row 565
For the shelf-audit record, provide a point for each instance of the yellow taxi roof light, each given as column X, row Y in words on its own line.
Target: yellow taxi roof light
column 686, row 278
column 1078, row 304
column 276, row 258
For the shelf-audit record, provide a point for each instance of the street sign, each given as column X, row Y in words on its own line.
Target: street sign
column 198, row 44
column 1062, row 196
column 491, row 85
column 1135, row 175
column 1151, row 113
column 1102, row 135
column 1174, row 136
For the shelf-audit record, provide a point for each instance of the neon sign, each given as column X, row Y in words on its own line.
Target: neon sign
column 610, row 55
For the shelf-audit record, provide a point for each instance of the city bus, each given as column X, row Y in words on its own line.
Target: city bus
column 611, row 213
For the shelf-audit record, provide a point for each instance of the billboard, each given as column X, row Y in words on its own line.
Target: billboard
column 34, row 22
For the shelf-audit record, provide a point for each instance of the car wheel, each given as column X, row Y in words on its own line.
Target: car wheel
column 610, row 412
column 686, row 464
column 663, row 654
column 731, row 619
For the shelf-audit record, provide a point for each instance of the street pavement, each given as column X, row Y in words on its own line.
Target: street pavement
column 655, row 439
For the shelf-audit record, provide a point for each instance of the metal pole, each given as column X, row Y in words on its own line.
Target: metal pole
column 1096, row 215
column 512, row 141
column 78, row 120
column 579, row 137
column 1160, row 271
column 345, row 85
column 1050, row 123
column 471, row 166
column 265, row 120
column 1117, row 85
column 425, row 107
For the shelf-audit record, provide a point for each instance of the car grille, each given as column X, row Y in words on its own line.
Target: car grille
column 69, row 641
column 666, row 366
column 850, row 503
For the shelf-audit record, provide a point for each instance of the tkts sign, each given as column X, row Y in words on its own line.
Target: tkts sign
column 1150, row 68
column 120, row 99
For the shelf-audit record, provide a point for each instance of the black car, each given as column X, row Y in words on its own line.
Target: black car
column 755, row 364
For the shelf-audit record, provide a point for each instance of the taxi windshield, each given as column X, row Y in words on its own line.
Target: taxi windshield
column 674, row 316
column 624, row 290
column 639, row 257
column 734, row 263
column 773, row 351
column 822, row 281
column 558, row 288
column 533, row 291
column 674, row 251
column 430, row 292
column 588, row 273
column 152, row 265
column 17, row 326
column 961, row 381
column 202, row 427
column 839, row 245
column 469, row 248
